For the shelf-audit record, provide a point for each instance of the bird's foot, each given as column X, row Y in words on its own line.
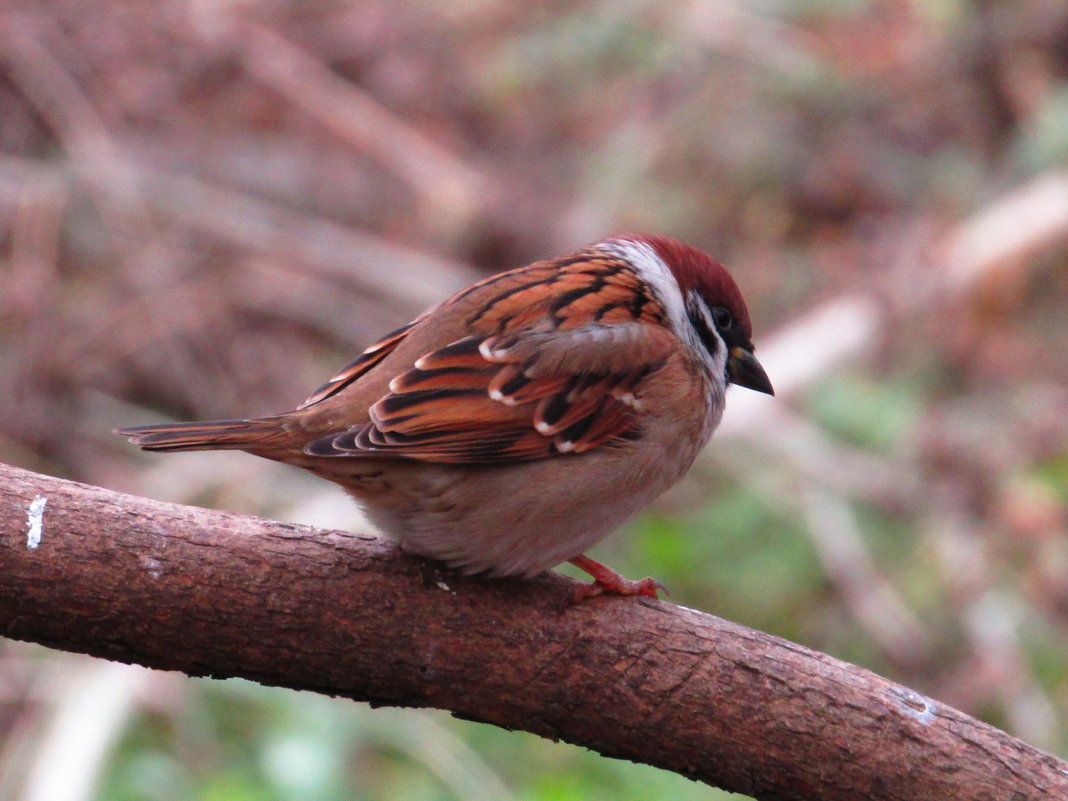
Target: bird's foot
column 606, row 580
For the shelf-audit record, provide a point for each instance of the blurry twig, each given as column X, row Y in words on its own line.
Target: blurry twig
column 310, row 298
column 887, row 619
column 47, row 85
column 993, row 624
column 845, row 470
column 409, row 279
column 1011, row 228
column 730, row 27
column 89, row 714
column 452, row 187
column 997, row 667
column 1014, row 226
column 459, row 766
column 35, row 245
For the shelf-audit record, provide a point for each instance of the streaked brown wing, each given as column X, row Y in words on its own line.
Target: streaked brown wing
column 458, row 406
column 590, row 287
column 360, row 365
column 557, row 353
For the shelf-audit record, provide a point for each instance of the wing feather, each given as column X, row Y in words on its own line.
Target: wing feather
column 554, row 365
column 360, row 365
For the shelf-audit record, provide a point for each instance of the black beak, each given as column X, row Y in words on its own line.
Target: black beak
column 745, row 371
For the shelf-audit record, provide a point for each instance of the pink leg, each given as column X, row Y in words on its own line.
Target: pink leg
column 607, row 580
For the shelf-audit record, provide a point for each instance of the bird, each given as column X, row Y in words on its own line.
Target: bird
column 511, row 427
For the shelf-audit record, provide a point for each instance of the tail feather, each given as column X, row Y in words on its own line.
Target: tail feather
column 203, row 435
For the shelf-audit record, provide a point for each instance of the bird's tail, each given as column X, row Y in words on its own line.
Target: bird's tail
column 206, row 435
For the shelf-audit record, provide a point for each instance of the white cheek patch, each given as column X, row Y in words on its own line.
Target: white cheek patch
column 652, row 269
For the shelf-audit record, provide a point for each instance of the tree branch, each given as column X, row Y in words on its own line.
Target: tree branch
column 208, row 593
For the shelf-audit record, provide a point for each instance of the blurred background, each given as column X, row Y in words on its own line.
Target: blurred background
column 208, row 207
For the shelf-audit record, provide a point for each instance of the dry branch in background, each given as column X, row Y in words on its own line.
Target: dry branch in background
column 181, row 588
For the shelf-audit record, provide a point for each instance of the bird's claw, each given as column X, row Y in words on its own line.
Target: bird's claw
column 649, row 587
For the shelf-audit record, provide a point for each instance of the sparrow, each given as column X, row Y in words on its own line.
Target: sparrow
column 509, row 428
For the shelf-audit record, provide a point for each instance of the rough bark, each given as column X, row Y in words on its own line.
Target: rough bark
column 208, row 593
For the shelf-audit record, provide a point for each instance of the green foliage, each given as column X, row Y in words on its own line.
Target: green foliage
column 737, row 557
column 238, row 741
column 864, row 411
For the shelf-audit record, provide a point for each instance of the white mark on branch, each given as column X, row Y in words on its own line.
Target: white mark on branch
column 155, row 567
column 913, row 704
column 35, row 521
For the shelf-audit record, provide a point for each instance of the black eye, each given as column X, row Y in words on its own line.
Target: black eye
column 722, row 318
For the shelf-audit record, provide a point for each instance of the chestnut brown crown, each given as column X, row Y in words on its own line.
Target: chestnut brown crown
column 714, row 307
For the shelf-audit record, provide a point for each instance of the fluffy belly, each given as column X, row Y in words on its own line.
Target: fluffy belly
column 522, row 519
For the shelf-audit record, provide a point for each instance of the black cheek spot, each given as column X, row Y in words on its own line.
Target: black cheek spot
column 704, row 332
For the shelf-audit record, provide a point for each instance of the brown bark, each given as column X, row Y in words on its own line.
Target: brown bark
column 208, row 593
